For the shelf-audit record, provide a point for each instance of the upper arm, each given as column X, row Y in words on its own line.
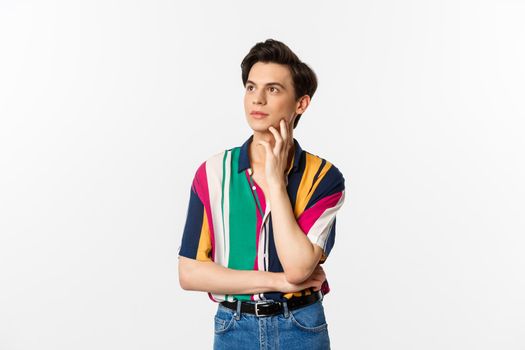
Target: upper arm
column 196, row 242
column 318, row 253
column 319, row 217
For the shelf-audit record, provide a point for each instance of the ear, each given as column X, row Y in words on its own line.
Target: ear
column 302, row 104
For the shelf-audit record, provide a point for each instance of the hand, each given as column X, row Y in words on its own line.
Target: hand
column 276, row 159
column 315, row 280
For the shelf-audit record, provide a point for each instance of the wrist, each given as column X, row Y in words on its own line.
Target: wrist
column 277, row 186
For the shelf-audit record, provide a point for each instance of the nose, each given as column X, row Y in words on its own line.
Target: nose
column 259, row 98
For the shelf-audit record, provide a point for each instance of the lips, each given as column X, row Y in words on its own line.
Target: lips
column 258, row 115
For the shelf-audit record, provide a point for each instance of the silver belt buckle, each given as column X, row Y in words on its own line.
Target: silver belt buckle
column 264, row 302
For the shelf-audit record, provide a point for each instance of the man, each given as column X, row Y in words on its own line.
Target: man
column 262, row 264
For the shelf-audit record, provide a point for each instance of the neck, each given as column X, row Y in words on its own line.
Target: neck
column 257, row 152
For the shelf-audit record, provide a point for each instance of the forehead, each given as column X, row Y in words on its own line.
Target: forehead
column 263, row 72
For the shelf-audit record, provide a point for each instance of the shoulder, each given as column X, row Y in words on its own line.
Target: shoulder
column 321, row 184
column 210, row 163
column 322, row 169
column 205, row 168
column 220, row 161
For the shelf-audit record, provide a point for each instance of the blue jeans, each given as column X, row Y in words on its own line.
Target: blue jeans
column 303, row 328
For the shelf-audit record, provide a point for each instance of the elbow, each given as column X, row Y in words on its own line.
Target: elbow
column 184, row 280
column 183, row 283
column 301, row 269
column 296, row 276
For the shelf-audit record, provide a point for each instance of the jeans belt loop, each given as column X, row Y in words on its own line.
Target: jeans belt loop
column 238, row 313
column 285, row 307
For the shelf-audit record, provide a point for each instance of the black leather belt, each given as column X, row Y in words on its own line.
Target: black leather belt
column 270, row 307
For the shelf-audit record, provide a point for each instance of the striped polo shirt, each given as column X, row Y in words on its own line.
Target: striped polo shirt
column 229, row 221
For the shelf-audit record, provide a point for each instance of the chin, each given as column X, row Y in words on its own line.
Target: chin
column 259, row 128
column 259, row 124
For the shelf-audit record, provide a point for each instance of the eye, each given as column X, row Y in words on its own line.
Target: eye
column 275, row 89
column 248, row 87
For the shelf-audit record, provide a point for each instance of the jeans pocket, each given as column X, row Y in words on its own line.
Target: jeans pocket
column 310, row 318
column 223, row 321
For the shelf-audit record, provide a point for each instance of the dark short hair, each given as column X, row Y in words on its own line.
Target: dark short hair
column 303, row 77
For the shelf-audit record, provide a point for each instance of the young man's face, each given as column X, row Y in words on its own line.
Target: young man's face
column 269, row 89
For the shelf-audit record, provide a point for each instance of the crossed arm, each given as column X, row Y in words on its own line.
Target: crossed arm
column 298, row 256
column 208, row 276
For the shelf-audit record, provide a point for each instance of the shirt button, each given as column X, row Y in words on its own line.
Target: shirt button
column 254, row 188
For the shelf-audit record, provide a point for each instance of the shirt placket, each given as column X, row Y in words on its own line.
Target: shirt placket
column 262, row 230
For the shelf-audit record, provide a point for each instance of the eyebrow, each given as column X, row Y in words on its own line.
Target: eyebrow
column 270, row 83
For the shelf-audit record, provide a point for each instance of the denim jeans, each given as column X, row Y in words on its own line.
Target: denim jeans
column 304, row 328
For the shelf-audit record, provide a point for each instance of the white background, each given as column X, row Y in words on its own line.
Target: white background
column 107, row 108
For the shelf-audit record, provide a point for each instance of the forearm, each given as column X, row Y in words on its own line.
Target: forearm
column 214, row 278
column 296, row 252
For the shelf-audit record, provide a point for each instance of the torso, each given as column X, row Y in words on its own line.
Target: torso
column 260, row 179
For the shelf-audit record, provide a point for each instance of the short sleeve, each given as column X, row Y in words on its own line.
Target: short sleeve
column 196, row 237
column 318, row 220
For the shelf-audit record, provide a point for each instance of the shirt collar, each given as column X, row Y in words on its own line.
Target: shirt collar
column 244, row 159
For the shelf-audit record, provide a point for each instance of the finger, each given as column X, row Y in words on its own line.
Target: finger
column 286, row 133
column 318, row 285
column 318, row 277
column 284, row 130
column 278, row 140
